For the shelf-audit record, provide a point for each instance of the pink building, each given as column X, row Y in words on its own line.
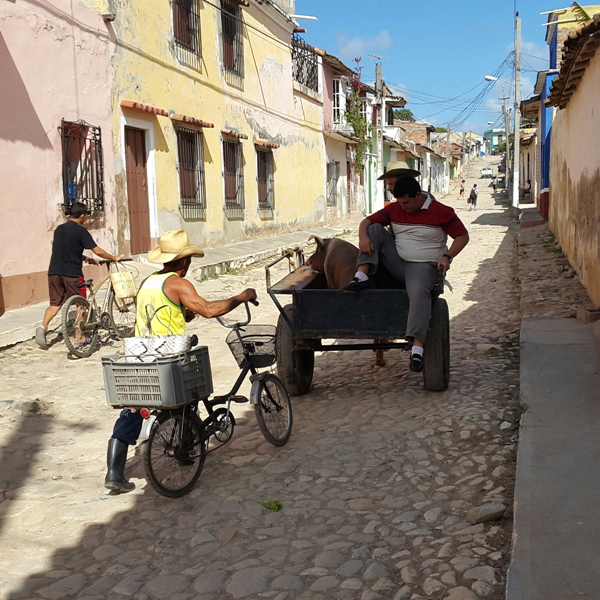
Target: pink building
column 55, row 136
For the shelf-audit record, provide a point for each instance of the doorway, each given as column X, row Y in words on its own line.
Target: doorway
column 137, row 190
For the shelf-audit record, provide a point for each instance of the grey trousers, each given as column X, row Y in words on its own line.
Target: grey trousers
column 417, row 277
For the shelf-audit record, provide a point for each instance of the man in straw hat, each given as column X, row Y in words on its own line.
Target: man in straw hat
column 394, row 170
column 165, row 301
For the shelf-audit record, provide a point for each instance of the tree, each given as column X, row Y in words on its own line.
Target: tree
column 440, row 130
column 404, row 114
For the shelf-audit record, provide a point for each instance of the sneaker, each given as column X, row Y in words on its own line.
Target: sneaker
column 356, row 285
column 40, row 337
column 416, row 363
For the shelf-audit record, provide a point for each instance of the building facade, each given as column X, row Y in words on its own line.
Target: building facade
column 55, row 137
column 574, row 209
column 217, row 122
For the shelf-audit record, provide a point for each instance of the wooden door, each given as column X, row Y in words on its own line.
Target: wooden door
column 137, row 189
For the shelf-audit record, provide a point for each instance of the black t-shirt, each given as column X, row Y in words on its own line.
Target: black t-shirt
column 70, row 240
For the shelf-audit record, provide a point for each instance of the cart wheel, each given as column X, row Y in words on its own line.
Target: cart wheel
column 295, row 367
column 436, row 374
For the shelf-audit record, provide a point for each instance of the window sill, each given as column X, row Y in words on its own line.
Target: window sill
column 266, row 213
column 234, row 213
column 306, row 91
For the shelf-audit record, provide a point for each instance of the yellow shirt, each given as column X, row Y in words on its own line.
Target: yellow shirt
column 166, row 317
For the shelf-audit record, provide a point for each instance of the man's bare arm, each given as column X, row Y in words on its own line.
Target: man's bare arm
column 364, row 242
column 457, row 246
column 104, row 254
column 187, row 295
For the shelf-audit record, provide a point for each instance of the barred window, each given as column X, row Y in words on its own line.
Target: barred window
column 186, row 31
column 83, row 169
column 192, row 190
column 232, row 44
column 265, row 179
column 305, row 63
column 233, row 174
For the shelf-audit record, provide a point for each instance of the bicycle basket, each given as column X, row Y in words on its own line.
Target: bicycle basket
column 260, row 342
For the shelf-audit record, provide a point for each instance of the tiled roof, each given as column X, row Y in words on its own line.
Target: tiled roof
column 578, row 50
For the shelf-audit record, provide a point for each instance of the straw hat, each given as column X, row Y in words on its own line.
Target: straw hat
column 173, row 245
column 398, row 168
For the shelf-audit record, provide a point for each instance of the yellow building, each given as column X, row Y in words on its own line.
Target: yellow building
column 217, row 120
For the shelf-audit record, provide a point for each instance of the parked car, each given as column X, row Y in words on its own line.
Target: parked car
column 487, row 172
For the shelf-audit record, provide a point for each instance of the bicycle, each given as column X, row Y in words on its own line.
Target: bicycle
column 82, row 319
column 174, row 454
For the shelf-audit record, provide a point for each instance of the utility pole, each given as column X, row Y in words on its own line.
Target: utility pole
column 517, row 112
column 463, row 154
column 380, row 193
column 507, row 133
column 448, row 159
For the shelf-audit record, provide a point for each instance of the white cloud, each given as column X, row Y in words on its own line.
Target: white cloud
column 539, row 54
column 353, row 47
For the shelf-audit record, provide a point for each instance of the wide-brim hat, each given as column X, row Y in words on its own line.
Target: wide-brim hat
column 173, row 245
column 398, row 168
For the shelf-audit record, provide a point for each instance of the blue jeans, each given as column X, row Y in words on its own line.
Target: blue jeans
column 128, row 427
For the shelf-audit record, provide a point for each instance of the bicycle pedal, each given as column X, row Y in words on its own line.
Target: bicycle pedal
column 239, row 399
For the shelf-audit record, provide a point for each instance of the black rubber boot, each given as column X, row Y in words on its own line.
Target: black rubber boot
column 115, row 462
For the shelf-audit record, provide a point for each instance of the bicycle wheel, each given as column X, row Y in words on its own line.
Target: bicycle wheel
column 122, row 313
column 80, row 339
column 273, row 410
column 174, row 454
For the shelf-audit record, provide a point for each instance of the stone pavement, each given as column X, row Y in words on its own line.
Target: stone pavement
column 375, row 482
column 19, row 325
column 556, row 509
column 557, row 515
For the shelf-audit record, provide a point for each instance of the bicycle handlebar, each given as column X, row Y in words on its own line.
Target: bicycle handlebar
column 103, row 261
column 234, row 325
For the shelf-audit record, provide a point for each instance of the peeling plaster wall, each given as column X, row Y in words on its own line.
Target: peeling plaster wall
column 575, row 179
column 54, row 64
column 266, row 106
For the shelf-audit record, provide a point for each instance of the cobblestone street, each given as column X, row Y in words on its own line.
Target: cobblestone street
column 375, row 483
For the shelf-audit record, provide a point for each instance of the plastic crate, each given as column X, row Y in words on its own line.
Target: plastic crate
column 168, row 381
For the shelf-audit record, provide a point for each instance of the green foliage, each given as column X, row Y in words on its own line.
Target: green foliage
column 440, row 130
column 355, row 118
column 404, row 114
column 275, row 506
column 525, row 123
column 501, row 147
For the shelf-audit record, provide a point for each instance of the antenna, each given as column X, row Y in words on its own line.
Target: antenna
column 375, row 56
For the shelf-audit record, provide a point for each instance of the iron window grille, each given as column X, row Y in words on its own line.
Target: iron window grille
column 232, row 42
column 192, row 189
column 83, row 169
column 305, row 63
column 233, row 175
column 186, row 31
column 265, row 180
column 333, row 173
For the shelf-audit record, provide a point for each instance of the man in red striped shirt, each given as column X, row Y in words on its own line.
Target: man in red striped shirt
column 421, row 226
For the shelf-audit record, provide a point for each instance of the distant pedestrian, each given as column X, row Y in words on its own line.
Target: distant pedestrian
column 473, row 197
column 461, row 194
column 495, row 184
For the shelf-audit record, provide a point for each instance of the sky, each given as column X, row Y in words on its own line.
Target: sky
column 435, row 53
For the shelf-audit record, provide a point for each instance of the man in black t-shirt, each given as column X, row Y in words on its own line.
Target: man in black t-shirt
column 64, row 272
